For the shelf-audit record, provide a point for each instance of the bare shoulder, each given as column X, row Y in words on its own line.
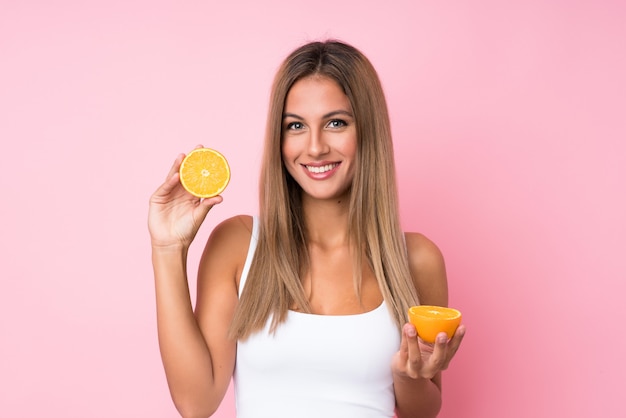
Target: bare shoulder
column 428, row 269
column 227, row 247
column 237, row 229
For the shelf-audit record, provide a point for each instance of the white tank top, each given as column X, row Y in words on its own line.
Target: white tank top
column 318, row 366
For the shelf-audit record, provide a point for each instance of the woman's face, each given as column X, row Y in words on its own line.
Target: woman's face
column 319, row 137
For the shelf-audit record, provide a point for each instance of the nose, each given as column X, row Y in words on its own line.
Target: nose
column 317, row 145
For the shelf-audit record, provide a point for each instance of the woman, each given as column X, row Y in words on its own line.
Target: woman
column 305, row 305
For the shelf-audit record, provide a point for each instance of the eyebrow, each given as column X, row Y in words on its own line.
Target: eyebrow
column 326, row 116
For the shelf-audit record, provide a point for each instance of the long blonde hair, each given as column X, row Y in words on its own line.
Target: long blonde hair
column 273, row 284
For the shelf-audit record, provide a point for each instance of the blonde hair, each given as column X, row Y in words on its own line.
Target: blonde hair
column 273, row 284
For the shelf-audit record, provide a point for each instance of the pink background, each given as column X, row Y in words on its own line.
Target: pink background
column 509, row 121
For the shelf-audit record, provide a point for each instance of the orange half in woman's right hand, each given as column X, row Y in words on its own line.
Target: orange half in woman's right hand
column 204, row 172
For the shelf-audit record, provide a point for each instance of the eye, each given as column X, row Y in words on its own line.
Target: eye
column 294, row 126
column 336, row 123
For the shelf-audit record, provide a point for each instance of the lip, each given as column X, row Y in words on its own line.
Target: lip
column 324, row 175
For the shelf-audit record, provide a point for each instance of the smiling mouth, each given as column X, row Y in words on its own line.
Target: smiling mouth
column 321, row 169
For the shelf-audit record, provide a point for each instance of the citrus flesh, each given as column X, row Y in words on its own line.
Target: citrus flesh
column 204, row 172
column 430, row 320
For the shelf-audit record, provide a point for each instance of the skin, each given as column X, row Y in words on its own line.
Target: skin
column 198, row 356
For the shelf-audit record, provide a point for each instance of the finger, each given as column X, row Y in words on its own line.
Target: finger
column 212, row 201
column 454, row 345
column 201, row 211
column 437, row 360
column 399, row 359
column 171, row 183
column 175, row 166
column 404, row 348
column 179, row 159
column 414, row 352
column 166, row 190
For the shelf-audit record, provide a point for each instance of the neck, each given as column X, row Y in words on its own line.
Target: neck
column 327, row 221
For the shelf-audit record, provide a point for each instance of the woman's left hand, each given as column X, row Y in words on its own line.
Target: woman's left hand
column 418, row 359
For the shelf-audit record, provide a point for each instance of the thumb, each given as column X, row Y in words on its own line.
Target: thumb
column 205, row 206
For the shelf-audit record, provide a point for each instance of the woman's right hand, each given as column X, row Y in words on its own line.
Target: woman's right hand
column 175, row 215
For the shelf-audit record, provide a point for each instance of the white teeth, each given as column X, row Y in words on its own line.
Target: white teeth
column 321, row 169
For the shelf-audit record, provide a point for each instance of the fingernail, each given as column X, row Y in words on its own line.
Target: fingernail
column 442, row 338
column 410, row 332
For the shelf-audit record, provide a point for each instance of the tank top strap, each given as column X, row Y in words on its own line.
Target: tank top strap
column 251, row 249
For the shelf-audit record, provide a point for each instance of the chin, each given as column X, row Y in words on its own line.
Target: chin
column 329, row 195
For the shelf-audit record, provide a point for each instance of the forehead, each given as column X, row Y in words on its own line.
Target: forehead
column 316, row 95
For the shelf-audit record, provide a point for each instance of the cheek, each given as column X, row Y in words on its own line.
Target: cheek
column 351, row 152
column 288, row 155
column 349, row 148
column 285, row 152
column 289, row 150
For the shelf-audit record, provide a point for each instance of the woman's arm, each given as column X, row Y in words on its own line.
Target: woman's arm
column 185, row 354
column 417, row 366
column 197, row 356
